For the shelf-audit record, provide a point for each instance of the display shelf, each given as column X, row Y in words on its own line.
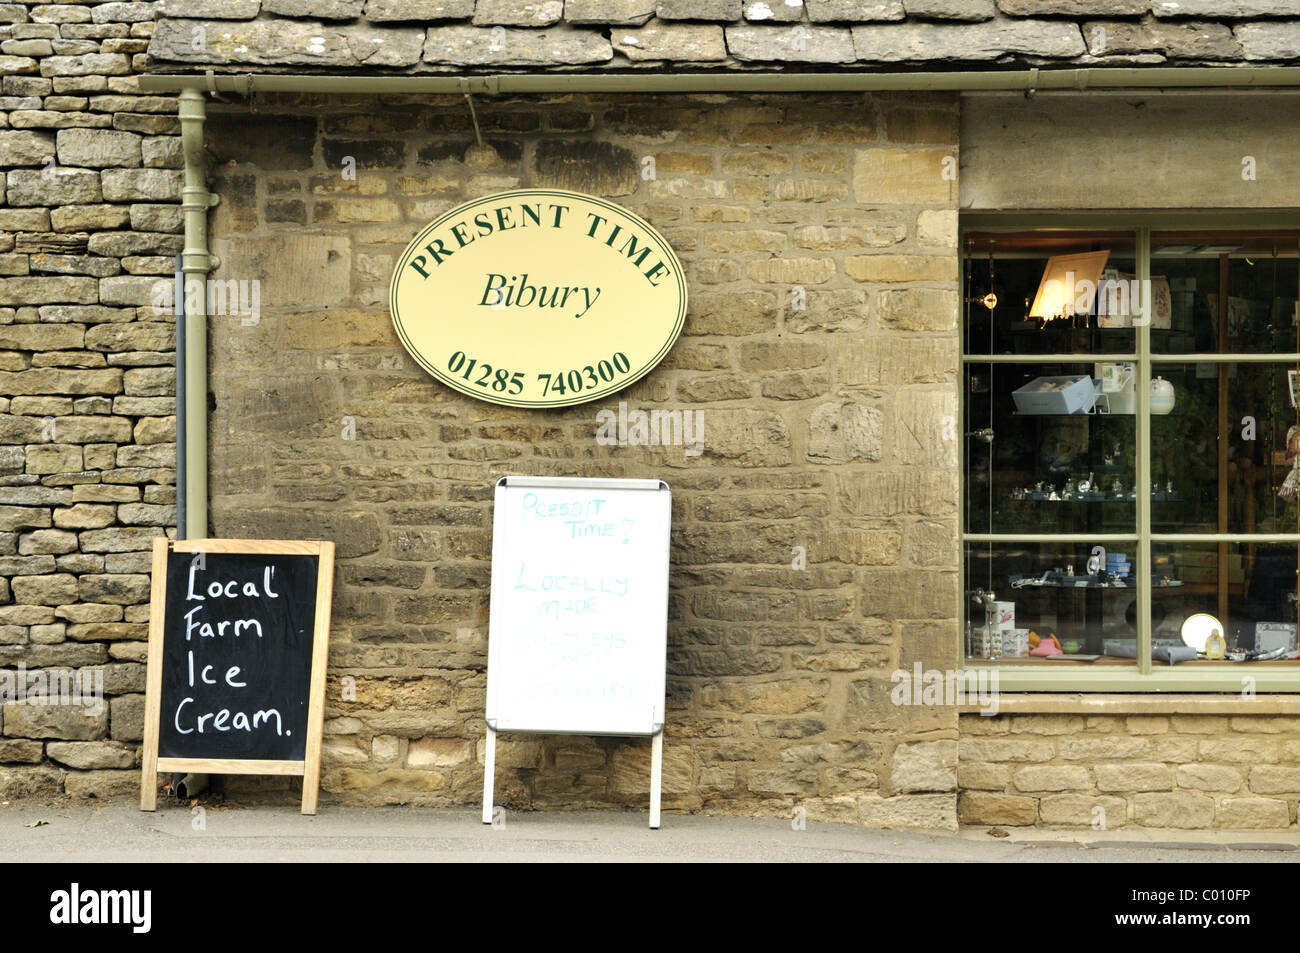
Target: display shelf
column 1037, row 497
column 1090, row 582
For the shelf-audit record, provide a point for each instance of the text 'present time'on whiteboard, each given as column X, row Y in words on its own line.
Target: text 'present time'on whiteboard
column 579, row 606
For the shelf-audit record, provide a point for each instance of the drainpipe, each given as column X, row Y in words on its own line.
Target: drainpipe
column 1028, row 80
column 196, row 262
column 178, row 310
column 192, row 351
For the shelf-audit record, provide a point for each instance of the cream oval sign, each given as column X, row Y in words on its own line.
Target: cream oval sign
column 538, row 298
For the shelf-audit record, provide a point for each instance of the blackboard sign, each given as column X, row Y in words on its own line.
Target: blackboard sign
column 238, row 636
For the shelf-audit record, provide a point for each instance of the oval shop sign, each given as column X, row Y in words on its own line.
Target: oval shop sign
column 538, row 298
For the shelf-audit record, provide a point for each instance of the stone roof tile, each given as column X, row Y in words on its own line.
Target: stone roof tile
column 614, row 12
column 950, row 9
column 419, row 11
column 918, row 42
column 207, row 10
column 791, row 43
column 1269, row 41
column 673, row 42
column 314, row 9
column 1225, row 9
column 501, row 46
column 854, row 11
column 535, row 13
column 437, row 35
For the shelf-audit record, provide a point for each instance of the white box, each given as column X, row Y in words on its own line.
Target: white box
column 1057, row 395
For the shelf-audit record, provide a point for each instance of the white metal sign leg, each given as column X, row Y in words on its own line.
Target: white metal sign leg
column 656, row 777
column 489, row 770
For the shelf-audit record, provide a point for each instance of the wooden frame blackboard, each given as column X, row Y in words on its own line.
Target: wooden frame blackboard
column 294, row 643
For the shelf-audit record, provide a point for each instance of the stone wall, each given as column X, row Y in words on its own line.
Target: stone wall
column 819, row 241
column 1111, row 771
column 88, row 220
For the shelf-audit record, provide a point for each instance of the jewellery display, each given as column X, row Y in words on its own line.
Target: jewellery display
column 1089, row 490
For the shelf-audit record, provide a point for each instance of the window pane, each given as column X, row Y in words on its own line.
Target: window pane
column 1221, row 454
column 1249, row 587
column 1258, row 314
column 1084, row 595
column 1046, row 289
column 1033, row 467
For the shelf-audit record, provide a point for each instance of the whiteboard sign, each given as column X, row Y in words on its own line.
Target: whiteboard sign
column 578, row 637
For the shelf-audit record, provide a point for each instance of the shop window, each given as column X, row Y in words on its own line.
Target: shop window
column 1129, row 455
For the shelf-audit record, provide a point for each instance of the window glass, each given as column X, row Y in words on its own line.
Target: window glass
column 1257, row 316
column 1071, row 599
column 1053, row 370
column 1049, row 293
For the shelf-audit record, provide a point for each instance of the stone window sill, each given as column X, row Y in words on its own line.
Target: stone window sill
column 1035, row 703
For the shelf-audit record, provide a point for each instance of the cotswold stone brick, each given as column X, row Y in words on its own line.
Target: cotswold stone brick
column 33, row 782
column 53, row 458
column 101, row 784
column 1179, row 809
column 845, row 431
column 23, row 517
column 1051, row 778
column 918, row 309
column 85, row 516
column 55, row 381
column 100, row 64
column 10, row 65
column 1253, row 813
column 900, row 268
column 905, row 175
column 63, row 187
column 18, row 751
column 1274, row 779
column 920, row 811
column 125, row 185
column 1078, row 810
column 983, row 807
column 49, row 590
column 26, row 148
column 47, row 541
column 925, row 766
column 1133, row 777
column 156, row 218
column 788, row 271
column 86, row 755
column 98, row 148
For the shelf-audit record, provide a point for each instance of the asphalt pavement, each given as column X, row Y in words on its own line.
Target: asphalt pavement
column 117, row 831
